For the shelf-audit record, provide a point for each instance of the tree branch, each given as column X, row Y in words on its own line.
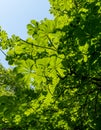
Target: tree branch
column 3, row 52
column 38, row 45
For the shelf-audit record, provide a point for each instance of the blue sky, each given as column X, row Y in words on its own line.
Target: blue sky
column 16, row 14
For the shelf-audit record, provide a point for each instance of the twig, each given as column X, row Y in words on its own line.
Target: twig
column 3, row 52
column 38, row 45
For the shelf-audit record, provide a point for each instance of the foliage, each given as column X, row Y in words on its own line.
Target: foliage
column 57, row 69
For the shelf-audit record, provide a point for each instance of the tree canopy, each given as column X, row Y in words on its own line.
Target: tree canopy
column 55, row 83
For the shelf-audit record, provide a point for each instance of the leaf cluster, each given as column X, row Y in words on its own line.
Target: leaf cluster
column 57, row 69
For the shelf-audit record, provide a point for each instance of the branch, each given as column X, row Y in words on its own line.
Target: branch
column 50, row 41
column 38, row 45
column 3, row 52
